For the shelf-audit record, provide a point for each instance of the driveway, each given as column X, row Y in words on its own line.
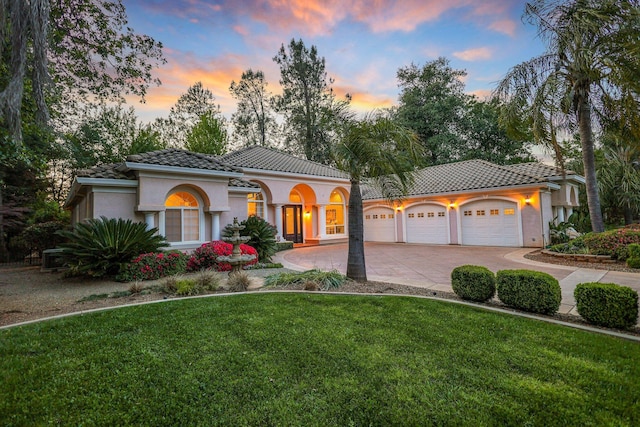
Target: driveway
column 430, row 266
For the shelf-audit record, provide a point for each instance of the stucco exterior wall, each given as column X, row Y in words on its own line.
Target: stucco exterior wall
column 118, row 203
column 154, row 189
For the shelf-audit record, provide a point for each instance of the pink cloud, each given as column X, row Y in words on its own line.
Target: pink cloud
column 505, row 26
column 477, row 54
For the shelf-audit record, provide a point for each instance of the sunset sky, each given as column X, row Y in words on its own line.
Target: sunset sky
column 364, row 43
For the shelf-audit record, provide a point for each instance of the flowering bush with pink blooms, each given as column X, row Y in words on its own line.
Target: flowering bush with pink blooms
column 614, row 242
column 205, row 257
column 153, row 265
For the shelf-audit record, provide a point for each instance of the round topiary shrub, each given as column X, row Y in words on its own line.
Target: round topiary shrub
column 607, row 304
column 633, row 262
column 529, row 290
column 473, row 282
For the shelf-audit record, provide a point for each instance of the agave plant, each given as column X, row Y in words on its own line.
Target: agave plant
column 262, row 236
column 99, row 247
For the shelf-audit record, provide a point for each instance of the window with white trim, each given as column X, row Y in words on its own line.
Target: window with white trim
column 334, row 213
column 255, row 205
column 182, row 217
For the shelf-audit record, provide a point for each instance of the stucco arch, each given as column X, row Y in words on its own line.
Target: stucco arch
column 200, row 194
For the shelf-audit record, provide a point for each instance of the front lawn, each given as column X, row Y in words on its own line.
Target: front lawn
column 313, row 359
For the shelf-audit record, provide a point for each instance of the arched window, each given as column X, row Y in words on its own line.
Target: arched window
column 335, row 213
column 255, row 205
column 182, row 217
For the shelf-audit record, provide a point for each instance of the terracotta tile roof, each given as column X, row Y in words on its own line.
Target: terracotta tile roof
column 258, row 157
column 183, row 159
column 459, row 177
column 106, row 171
column 540, row 170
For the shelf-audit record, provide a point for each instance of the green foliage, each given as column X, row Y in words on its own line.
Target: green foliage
column 283, row 246
column 633, row 262
column 263, row 236
column 326, row 280
column 152, row 266
column 436, row 91
column 575, row 246
column 314, row 360
column 253, row 121
column 613, row 242
column 208, row 135
column 43, row 235
column 473, row 282
column 307, row 103
column 199, row 283
column 607, row 304
column 558, row 232
column 100, row 247
column 633, row 250
column 527, row 290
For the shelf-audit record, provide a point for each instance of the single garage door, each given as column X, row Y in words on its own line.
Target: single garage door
column 427, row 224
column 379, row 225
column 490, row 223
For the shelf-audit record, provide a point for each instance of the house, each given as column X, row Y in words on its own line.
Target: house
column 190, row 197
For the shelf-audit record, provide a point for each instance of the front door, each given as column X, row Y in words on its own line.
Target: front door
column 292, row 223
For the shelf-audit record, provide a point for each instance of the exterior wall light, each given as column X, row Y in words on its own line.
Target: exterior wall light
column 527, row 200
column 452, row 205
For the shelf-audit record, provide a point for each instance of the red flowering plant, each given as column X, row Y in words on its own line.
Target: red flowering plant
column 614, row 242
column 153, row 265
column 206, row 256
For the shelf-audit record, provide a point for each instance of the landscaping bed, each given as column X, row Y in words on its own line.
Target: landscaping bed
column 612, row 265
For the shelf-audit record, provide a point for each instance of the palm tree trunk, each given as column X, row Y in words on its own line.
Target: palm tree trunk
column 356, row 267
column 588, row 158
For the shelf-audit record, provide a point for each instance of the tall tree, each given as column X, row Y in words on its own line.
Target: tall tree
column 208, row 136
column 307, row 101
column 379, row 151
column 487, row 139
column 80, row 48
column 253, row 122
column 196, row 102
column 433, row 104
column 592, row 62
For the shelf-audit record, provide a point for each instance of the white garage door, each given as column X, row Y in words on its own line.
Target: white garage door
column 427, row 224
column 379, row 225
column 490, row 223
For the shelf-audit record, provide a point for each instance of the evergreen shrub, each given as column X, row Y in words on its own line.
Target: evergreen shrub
column 607, row 304
column 473, row 282
column 528, row 290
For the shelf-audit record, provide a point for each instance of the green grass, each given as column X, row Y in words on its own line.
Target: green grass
column 300, row 359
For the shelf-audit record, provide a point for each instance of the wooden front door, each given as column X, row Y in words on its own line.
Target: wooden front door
column 292, row 223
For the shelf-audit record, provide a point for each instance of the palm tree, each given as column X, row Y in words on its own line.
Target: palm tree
column 619, row 176
column 379, row 151
column 591, row 66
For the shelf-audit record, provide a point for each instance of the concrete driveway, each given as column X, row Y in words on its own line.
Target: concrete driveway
column 430, row 266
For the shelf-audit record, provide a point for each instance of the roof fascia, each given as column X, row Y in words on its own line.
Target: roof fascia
column 181, row 170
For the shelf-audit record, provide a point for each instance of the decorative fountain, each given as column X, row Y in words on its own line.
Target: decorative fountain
column 236, row 259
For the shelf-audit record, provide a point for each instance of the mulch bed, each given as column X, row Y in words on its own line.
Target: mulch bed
column 550, row 259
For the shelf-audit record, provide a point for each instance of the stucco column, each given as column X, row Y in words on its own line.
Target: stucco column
column 322, row 221
column 560, row 214
column 215, row 225
column 149, row 220
column 278, row 209
column 569, row 211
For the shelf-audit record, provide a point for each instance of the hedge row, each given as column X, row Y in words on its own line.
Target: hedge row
column 604, row 304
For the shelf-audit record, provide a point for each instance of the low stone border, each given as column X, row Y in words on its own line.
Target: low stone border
column 602, row 259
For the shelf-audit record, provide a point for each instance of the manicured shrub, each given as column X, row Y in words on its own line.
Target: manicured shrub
column 153, row 265
column 528, row 290
column 284, row 246
column 263, row 236
column 100, row 247
column 607, row 304
column 205, row 257
column 473, row 282
column 613, row 242
column 633, row 262
column 634, row 255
